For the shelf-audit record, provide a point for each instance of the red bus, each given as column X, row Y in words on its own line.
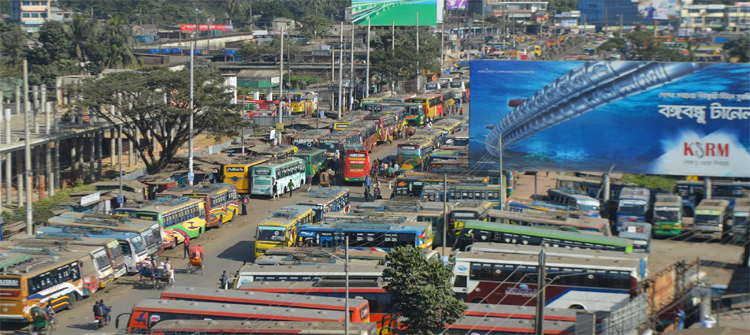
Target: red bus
column 356, row 163
column 148, row 312
column 334, row 142
column 368, row 130
column 224, row 327
column 387, row 125
column 359, row 309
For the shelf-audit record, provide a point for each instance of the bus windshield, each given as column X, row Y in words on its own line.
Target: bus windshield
column 741, row 219
column 115, row 250
column 149, row 237
column 588, row 206
column 667, row 214
column 137, row 243
column 455, row 84
column 145, row 216
column 101, row 259
column 706, row 218
column 330, row 146
column 271, row 233
column 631, row 209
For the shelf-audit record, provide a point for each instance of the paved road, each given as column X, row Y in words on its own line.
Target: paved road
column 226, row 249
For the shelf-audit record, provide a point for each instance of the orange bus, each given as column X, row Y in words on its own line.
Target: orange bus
column 432, row 103
column 359, row 309
column 148, row 312
column 368, row 131
column 356, row 163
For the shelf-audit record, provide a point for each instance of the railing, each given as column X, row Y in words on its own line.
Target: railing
column 629, row 317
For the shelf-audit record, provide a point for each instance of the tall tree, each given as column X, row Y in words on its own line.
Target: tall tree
column 80, row 29
column 738, row 49
column 12, row 46
column 313, row 26
column 421, row 291
column 160, row 108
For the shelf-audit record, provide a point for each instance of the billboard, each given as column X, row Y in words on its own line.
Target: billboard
column 456, row 4
column 659, row 9
column 206, row 27
column 398, row 12
column 641, row 117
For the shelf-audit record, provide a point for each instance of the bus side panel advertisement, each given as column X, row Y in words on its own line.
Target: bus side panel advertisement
column 400, row 13
column 640, row 117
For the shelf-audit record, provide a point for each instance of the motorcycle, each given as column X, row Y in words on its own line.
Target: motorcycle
column 98, row 322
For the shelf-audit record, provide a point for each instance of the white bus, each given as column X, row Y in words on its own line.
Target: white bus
column 587, row 205
column 279, row 172
column 572, row 282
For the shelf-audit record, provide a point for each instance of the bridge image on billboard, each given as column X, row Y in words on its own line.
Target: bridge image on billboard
column 642, row 117
column 399, row 12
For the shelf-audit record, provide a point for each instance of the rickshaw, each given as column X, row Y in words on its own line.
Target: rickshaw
column 157, row 277
column 196, row 260
column 40, row 321
column 324, row 179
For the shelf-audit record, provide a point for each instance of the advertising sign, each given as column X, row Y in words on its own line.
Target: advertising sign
column 659, row 9
column 456, row 4
column 206, row 27
column 398, row 12
column 642, row 117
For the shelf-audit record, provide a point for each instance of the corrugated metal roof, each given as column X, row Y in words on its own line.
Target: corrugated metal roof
column 249, row 73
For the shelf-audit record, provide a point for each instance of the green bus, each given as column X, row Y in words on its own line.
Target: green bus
column 667, row 220
column 414, row 111
column 314, row 160
column 280, row 172
column 179, row 217
column 483, row 231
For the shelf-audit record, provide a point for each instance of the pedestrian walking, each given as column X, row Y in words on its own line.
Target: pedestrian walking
column 185, row 246
column 290, row 186
column 275, row 190
column 223, row 280
column 245, row 201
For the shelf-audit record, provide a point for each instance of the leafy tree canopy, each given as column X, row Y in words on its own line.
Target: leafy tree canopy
column 421, row 291
column 738, row 49
column 160, row 110
column 401, row 63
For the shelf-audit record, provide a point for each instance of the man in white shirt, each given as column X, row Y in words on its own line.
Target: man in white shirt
column 708, row 321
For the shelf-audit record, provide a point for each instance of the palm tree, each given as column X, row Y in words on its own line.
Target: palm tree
column 120, row 54
column 81, row 29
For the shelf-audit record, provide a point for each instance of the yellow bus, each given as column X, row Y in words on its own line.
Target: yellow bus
column 378, row 96
column 238, row 173
column 448, row 126
column 468, row 210
column 432, row 103
column 298, row 105
column 281, row 227
column 28, row 281
column 179, row 217
column 221, row 200
column 345, row 123
column 280, row 152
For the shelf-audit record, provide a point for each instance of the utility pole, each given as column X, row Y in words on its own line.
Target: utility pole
column 333, row 78
column 341, row 65
column 27, row 150
column 442, row 45
column 346, row 273
column 281, row 81
column 393, row 50
column 502, row 183
column 445, row 213
column 620, row 15
column 367, row 74
column 193, row 47
column 419, row 88
column 119, row 159
column 539, row 317
column 351, row 74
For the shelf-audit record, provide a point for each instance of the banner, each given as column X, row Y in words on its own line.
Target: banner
column 398, row 12
column 659, row 9
column 456, row 4
column 642, row 117
column 205, row 27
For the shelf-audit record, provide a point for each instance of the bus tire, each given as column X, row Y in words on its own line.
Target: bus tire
column 72, row 299
column 234, row 214
column 577, row 307
column 221, row 222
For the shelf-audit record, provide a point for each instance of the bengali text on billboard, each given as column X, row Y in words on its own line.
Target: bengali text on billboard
column 456, row 4
column 398, row 12
column 642, row 117
column 659, row 9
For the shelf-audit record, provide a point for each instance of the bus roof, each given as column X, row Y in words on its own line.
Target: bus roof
column 24, row 263
column 316, row 270
column 271, row 150
column 102, row 220
column 309, row 252
column 278, row 162
column 325, row 193
column 11, row 258
column 506, row 248
column 210, row 189
column 415, row 142
column 554, row 218
column 312, row 133
column 322, row 286
column 742, row 204
column 239, row 311
column 532, row 231
column 620, row 263
column 247, row 161
column 484, row 325
column 161, row 205
column 87, row 231
column 258, row 298
column 519, row 312
column 287, row 214
column 355, row 147
column 713, row 204
column 640, row 193
column 308, row 152
column 366, row 226
column 80, row 239
column 427, row 96
column 262, row 327
column 399, row 97
column 668, row 200
column 338, row 135
column 472, row 205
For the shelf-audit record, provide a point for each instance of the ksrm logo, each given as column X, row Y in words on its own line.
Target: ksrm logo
column 701, row 149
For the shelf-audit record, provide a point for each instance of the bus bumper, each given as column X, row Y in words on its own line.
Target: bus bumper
column 13, row 318
column 355, row 179
column 667, row 231
column 106, row 280
column 121, row 271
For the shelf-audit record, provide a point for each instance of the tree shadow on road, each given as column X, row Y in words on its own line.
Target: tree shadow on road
column 242, row 251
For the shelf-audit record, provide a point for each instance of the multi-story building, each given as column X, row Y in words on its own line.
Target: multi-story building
column 528, row 11
column 31, row 14
column 697, row 18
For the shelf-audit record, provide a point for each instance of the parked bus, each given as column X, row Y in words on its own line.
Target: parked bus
column 333, row 143
column 96, row 271
column 132, row 247
column 464, row 193
column 740, row 216
column 540, row 206
column 280, row 172
column 448, row 165
column 400, row 113
column 430, row 212
column 552, row 220
column 221, row 201
column 183, row 214
column 693, row 191
column 223, row 327
column 413, row 155
column 468, row 210
column 415, row 184
column 667, row 218
column 521, row 249
column 378, row 96
column 587, row 205
column 150, row 232
column 514, row 234
column 448, row 126
column 368, row 131
column 280, row 152
column 431, row 102
column 710, row 220
column 296, row 273
column 314, row 160
column 356, row 165
column 447, row 97
column 297, row 104
column 434, row 135
column 387, row 124
column 458, row 140
column 309, row 139
column 110, row 245
column 344, row 123
column 148, row 312
column 461, row 88
column 238, row 173
column 632, row 205
column 401, row 97
column 281, row 227
column 368, row 236
column 511, row 278
column 327, row 200
column 36, row 281
column 359, row 309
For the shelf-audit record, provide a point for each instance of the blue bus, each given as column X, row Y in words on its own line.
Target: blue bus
column 633, row 205
column 691, row 190
column 367, row 236
column 587, row 205
column 536, row 206
column 327, row 200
